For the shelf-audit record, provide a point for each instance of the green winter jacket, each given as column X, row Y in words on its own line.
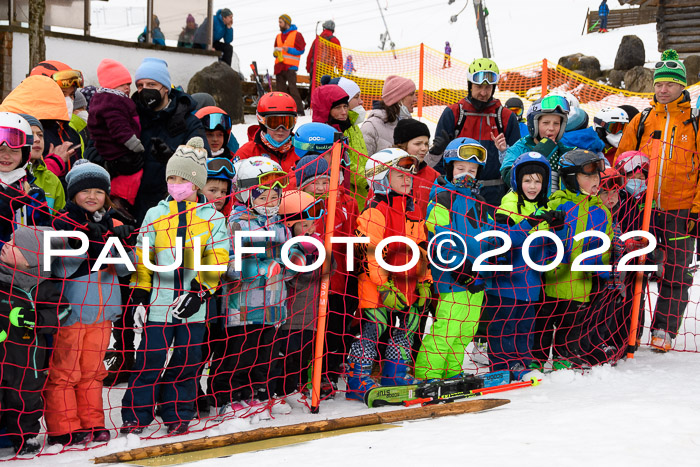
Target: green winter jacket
column 358, row 159
column 49, row 182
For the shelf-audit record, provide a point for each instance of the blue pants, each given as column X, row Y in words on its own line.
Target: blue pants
column 177, row 387
column 604, row 22
column 510, row 332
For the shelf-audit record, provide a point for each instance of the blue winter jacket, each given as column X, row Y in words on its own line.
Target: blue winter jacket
column 586, row 138
column 603, row 9
column 455, row 212
column 219, row 32
column 524, row 130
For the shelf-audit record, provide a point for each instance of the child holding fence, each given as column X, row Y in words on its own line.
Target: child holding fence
column 385, row 295
column 176, row 299
column 74, row 388
column 568, row 292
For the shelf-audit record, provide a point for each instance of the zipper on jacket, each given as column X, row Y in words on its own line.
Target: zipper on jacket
column 661, row 164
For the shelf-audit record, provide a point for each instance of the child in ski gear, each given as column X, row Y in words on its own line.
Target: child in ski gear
column 219, row 184
column 546, row 123
column 74, row 389
column 176, row 299
column 116, row 131
column 568, row 292
column 38, row 173
column 455, row 208
column 512, row 296
column 577, row 133
column 447, row 60
column 217, row 125
column 257, row 300
column 30, row 309
column 610, row 123
column 384, row 295
column 515, row 104
column 349, row 67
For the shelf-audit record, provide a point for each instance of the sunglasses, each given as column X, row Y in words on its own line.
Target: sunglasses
column 12, row 137
column 468, row 153
column 668, row 64
column 220, row 165
column 212, row 121
column 518, row 111
column 68, row 78
column 551, row 103
column 490, row 77
column 275, row 122
column 592, row 168
column 266, row 181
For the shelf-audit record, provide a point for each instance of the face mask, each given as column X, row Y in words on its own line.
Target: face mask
column 267, row 211
column 465, row 181
column 635, row 186
column 404, row 113
column 361, row 112
column 150, row 98
column 180, row 191
column 614, row 140
column 83, row 114
column 69, row 105
column 273, row 143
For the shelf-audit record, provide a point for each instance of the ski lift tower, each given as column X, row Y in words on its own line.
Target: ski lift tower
column 482, row 26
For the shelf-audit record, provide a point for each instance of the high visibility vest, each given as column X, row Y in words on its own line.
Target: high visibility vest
column 288, row 59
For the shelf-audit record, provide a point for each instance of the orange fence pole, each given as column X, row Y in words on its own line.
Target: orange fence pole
column 420, row 80
column 646, row 220
column 336, row 154
column 545, row 77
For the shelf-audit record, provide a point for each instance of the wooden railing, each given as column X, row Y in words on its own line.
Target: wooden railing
column 622, row 18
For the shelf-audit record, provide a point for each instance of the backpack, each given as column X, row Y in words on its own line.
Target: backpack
column 694, row 116
column 462, row 118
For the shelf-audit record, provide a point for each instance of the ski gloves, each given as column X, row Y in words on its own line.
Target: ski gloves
column 187, row 305
column 391, row 296
column 465, row 276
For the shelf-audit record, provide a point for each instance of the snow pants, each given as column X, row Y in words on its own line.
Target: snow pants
column 510, row 336
column 73, row 392
column 363, row 351
column 456, row 320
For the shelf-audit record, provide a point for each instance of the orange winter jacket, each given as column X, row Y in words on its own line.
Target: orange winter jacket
column 679, row 161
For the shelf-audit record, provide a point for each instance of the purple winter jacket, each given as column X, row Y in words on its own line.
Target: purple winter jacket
column 111, row 122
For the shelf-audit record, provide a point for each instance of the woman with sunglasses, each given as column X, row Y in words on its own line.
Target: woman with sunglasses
column 217, row 125
column 272, row 137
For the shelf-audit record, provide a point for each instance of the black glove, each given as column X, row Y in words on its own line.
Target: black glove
column 160, row 150
column 17, row 199
column 476, row 286
column 440, row 143
column 96, row 230
column 23, row 317
column 123, row 231
column 139, row 297
column 187, row 305
column 464, row 275
column 555, row 219
column 127, row 164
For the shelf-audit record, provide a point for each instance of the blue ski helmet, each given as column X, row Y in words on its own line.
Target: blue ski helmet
column 464, row 149
column 531, row 163
column 313, row 138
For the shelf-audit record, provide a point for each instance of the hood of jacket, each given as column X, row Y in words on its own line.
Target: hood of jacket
column 322, row 101
column 38, row 96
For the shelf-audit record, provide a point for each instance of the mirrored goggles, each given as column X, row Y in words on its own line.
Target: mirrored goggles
column 266, row 181
column 12, row 137
column 518, row 111
column 615, row 128
column 634, row 163
column 220, row 165
column 275, row 122
column 550, row 103
column 490, row 77
column 314, row 148
column 212, row 121
column 314, row 211
column 593, row 167
column 407, row 164
column 68, row 78
column 468, row 153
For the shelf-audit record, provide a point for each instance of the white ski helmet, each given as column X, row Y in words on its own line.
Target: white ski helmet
column 16, row 133
column 609, row 123
column 378, row 165
column 258, row 173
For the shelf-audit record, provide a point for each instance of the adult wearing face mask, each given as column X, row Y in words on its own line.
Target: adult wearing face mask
column 167, row 121
column 398, row 100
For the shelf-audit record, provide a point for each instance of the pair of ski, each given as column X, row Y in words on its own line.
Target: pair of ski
column 444, row 390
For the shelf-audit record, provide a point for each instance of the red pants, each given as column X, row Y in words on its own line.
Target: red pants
column 74, row 389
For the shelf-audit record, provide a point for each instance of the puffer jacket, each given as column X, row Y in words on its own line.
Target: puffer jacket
column 378, row 133
column 679, row 162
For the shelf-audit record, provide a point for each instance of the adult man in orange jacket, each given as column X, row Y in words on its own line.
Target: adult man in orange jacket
column 676, row 192
column 289, row 47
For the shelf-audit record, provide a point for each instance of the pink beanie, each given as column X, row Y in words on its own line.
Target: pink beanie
column 396, row 88
column 111, row 73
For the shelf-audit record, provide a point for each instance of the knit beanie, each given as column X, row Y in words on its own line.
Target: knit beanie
column 672, row 69
column 32, row 121
column 330, row 25
column 409, row 128
column 396, row 88
column 30, row 242
column 348, row 85
column 189, row 162
column 79, row 101
column 190, row 18
column 111, row 73
column 85, row 175
column 310, row 168
column 286, row 18
column 155, row 69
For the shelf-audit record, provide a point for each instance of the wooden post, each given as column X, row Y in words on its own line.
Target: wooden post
column 646, row 220
column 149, row 21
column 585, row 22
column 429, row 411
column 210, row 29
column 86, row 17
column 336, row 154
column 37, row 44
column 545, row 77
column 421, row 71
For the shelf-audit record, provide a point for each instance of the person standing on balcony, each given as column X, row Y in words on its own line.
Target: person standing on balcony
column 603, row 11
column 289, row 47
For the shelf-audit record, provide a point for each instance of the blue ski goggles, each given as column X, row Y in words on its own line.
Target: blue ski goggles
column 220, row 166
column 217, row 121
column 479, row 77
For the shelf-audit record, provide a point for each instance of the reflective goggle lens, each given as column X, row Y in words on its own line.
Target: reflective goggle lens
column 472, row 152
column 552, row 102
column 407, row 164
column 612, row 182
column 615, row 127
column 219, row 165
column 490, row 77
column 316, row 148
column 274, row 122
column 272, row 179
column 315, row 211
column 68, row 78
column 592, row 168
column 518, row 111
column 13, row 137
column 212, row 121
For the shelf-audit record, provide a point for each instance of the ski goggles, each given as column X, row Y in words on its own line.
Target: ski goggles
column 468, row 153
column 12, row 137
column 406, row 164
column 212, row 121
column 614, row 128
column 68, row 78
column 275, row 122
column 479, row 77
column 633, row 163
column 668, row 64
column 266, row 181
column 612, row 182
column 312, row 148
column 518, row 111
column 314, row 211
column 220, row 166
column 593, row 167
column 551, row 103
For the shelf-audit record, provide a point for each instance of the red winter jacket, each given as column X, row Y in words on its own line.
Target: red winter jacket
column 422, row 183
column 331, row 56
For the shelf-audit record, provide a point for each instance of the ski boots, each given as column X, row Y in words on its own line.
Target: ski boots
column 395, row 373
column 661, row 341
column 359, row 381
